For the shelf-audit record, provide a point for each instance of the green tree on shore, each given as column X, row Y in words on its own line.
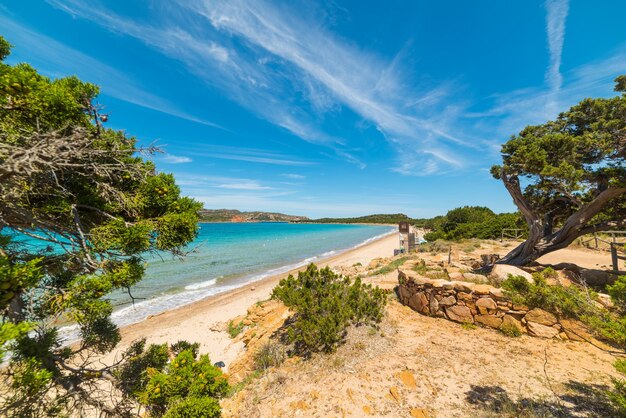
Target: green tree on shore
column 68, row 181
column 568, row 176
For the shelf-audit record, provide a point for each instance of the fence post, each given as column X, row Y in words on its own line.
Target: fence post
column 614, row 259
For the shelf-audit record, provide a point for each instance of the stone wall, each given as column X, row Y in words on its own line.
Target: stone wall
column 482, row 304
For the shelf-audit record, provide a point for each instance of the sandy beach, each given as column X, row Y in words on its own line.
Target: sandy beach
column 203, row 321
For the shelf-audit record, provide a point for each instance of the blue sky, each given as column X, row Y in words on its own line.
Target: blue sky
column 339, row 108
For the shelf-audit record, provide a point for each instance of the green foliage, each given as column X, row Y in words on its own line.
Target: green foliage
column 371, row 219
column 617, row 291
column 271, row 354
column 471, row 222
column 618, row 394
column 393, row 265
column 172, row 381
column 510, row 330
column 468, row 326
column 325, row 304
column 234, row 329
column 98, row 205
column 563, row 301
column 194, row 407
column 574, row 174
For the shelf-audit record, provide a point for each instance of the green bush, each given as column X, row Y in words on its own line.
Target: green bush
column 325, row 304
column 617, row 291
column 392, row 266
column 271, row 354
column 510, row 330
column 182, row 384
column 195, row 408
column 563, row 301
column 471, row 222
column 234, row 330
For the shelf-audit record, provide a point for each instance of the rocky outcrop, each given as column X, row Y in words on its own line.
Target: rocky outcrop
column 483, row 304
column 501, row 272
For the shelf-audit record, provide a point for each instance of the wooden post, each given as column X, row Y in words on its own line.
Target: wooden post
column 614, row 259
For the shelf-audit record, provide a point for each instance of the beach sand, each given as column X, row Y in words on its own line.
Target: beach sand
column 204, row 321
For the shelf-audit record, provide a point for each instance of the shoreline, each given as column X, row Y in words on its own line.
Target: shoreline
column 203, row 321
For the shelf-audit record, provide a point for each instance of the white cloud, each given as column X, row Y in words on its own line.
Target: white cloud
column 176, row 159
column 556, row 14
column 57, row 59
column 247, row 185
column 250, row 155
column 287, row 69
column 294, row 176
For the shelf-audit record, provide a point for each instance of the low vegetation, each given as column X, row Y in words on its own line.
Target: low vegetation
column 574, row 302
column 234, row 329
column 172, row 382
column 325, row 304
column 392, row 266
column 471, row 222
column 372, row 219
column 271, row 354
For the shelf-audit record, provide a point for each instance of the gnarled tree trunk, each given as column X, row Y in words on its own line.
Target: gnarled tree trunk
column 541, row 239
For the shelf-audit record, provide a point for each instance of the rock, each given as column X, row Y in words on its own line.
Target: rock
column 447, row 301
column 605, row 300
column 575, row 330
column 418, row 413
column 496, row 293
column 464, row 286
column 482, row 289
column 459, row 313
column 395, row 394
column 419, row 302
column 456, row 276
column 476, row 278
column 501, row 272
column 538, row 330
column 368, row 410
column 485, row 305
column 464, row 296
column 511, row 321
column 407, row 378
column 539, row 316
column 489, row 320
column 220, row 364
column 433, row 304
column 374, row 263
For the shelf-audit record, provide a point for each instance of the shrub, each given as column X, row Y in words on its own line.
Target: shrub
column 392, row 266
column 195, row 408
column 617, row 291
column 184, row 384
column 510, row 330
column 271, row 354
column 563, row 301
column 234, row 330
column 325, row 304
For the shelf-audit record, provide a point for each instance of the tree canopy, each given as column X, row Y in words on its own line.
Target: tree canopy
column 568, row 176
column 470, row 222
column 86, row 191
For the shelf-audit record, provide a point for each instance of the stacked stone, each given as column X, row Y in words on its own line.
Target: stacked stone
column 466, row 302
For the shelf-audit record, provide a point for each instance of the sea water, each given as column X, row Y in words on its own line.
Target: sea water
column 225, row 256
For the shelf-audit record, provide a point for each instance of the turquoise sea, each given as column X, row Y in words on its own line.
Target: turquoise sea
column 229, row 255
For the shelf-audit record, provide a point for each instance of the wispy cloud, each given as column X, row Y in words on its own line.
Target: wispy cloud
column 294, row 73
column 176, row 159
column 253, row 155
column 246, row 185
column 294, row 176
column 556, row 14
column 57, row 59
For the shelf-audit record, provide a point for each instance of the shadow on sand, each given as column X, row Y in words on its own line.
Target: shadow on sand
column 577, row 400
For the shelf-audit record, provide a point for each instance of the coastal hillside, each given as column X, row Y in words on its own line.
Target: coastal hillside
column 233, row 215
column 370, row 219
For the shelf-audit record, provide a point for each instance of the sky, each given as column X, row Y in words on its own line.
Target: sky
column 333, row 108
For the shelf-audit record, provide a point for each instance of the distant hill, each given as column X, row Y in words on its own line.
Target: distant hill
column 233, row 215
column 371, row 219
